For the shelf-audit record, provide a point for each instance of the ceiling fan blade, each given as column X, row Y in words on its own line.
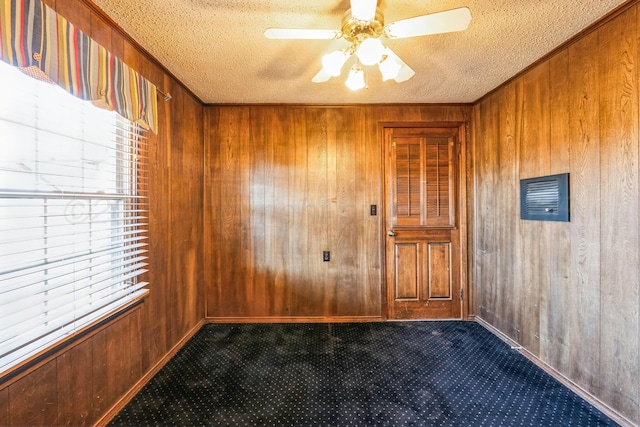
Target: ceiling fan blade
column 301, row 34
column 321, row 77
column 434, row 23
column 405, row 72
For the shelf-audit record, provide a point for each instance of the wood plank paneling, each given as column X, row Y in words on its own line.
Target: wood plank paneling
column 4, row 407
column 293, row 182
column 584, row 314
column 100, row 375
column 75, row 375
column 619, row 275
column 33, row 400
column 485, row 213
column 348, row 204
column 118, row 358
column 508, row 202
column 76, row 12
column 554, row 320
column 185, row 215
column 156, row 340
column 534, row 161
column 298, row 215
column 79, row 384
column 370, row 234
column 318, row 179
column 567, row 292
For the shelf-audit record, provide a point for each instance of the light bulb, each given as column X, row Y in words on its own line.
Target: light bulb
column 333, row 62
column 370, row 51
column 389, row 68
column 355, row 81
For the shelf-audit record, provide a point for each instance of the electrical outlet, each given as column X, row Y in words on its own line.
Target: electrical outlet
column 326, row 256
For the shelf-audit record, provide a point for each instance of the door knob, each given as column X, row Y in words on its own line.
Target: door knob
column 390, row 233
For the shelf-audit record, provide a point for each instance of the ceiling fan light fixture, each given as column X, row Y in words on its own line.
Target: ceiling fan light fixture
column 355, row 81
column 332, row 62
column 370, row 51
column 363, row 10
column 389, row 68
column 362, row 27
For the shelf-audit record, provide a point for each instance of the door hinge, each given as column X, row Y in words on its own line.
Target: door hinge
column 461, row 294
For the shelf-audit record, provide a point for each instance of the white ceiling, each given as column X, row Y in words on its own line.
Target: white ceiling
column 218, row 50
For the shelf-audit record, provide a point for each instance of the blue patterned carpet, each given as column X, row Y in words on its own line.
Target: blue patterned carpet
column 356, row 374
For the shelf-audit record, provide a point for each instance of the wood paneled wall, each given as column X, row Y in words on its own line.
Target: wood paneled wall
column 282, row 185
column 77, row 386
column 567, row 292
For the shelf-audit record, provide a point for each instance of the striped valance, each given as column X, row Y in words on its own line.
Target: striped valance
column 44, row 44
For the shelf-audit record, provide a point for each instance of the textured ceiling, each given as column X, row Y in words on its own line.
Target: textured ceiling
column 218, row 50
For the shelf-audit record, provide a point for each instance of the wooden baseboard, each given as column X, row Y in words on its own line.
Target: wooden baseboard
column 126, row 398
column 301, row 319
column 594, row 401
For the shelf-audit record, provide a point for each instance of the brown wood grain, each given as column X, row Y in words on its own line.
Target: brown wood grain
column 407, row 280
column 559, row 301
column 33, row 400
column 99, row 375
column 176, row 300
column 4, row 407
column 117, row 358
column 75, row 12
column 584, row 317
column 156, row 340
column 294, row 182
column 620, row 275
column 534, row 143
column 567, row 292
column 318, row 211
column 485, row 214
column 574, row 285
column 185, row 214
column 439, row 268
column 349, row 204
column 507, row 204
column 74, row 377
column 100, row 32
column 371, row 234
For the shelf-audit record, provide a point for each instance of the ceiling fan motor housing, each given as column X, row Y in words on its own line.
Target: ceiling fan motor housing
column 356, row 30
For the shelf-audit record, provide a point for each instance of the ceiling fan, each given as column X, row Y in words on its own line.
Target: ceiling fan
column 363, row 26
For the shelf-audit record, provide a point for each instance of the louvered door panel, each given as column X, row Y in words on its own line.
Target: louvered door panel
column 408, row 167
column 424, row 181
column 439, row 210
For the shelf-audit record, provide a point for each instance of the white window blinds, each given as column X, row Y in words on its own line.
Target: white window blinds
column 72, row 215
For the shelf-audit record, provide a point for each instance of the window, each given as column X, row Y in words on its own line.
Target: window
column 72, row 215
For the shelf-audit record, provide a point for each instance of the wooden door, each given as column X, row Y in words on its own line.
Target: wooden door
column 422, row 243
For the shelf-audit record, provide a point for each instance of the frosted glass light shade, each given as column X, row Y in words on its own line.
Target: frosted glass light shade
column 355, row 81
column 370, row 51
column 332, row 62
column 389, row 68
column 363, row 10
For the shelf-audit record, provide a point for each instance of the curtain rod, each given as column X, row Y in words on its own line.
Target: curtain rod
column 167, row 95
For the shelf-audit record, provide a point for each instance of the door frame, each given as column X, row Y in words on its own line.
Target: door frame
column 461, row 208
